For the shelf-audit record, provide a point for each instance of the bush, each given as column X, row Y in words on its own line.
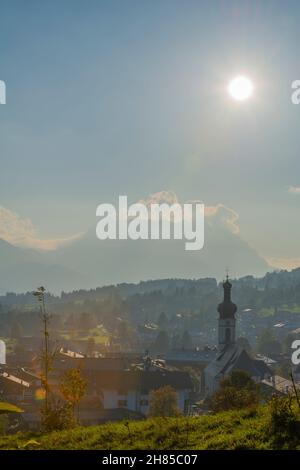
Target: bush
column 3, row 424
column 284, row 423
column 164, row 402
column 235, row 392
column 58, row 416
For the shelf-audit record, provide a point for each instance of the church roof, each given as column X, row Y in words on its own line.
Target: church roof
column 236, row 358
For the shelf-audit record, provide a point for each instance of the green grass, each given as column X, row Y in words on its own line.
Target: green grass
column 246, row 429
column 294, row 309
column 266, row 311
column 98, row 334
column 269, row 311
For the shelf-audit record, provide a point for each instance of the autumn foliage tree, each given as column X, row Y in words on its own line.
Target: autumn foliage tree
column 73, row 387
column 235, row 392
column 164, row 402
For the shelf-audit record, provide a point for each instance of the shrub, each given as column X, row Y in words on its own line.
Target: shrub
column 284, row 424
column 164, row 402
column 235, row 392
column 57, row 416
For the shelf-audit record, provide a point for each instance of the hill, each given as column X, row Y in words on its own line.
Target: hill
column 22, row 269
column 246, row 429
column 87, row 262
column 116, row 261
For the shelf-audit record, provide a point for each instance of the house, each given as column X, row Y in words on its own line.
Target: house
column 279, row 386
column 198, row 358
column 2, row 352
column 17, row 385
column 117, row 383
column 64, row 362
column 131, row 389
column 296, row 372
column 231, row 356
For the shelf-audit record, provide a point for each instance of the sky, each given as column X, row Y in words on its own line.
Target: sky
column 106, row 98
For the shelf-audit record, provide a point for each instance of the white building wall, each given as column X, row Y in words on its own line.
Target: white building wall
column 111, row 400
column 2, row 352
column 132, row 400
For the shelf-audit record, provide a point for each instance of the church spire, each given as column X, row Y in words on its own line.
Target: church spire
column 227, row 290
column 226, row 311
column 227, row 308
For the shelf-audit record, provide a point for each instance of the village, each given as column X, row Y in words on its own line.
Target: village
column 122, row 375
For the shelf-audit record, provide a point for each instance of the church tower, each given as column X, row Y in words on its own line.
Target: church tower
column 227, row 311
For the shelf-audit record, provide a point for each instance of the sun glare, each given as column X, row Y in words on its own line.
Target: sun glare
column 240, row 88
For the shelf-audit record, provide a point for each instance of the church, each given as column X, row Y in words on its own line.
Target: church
column 230, row 356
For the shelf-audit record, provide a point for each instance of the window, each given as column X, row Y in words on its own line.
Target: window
column 122, row 403
column 144, row 402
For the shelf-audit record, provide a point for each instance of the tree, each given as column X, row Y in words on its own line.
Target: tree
column 71, row 322
column 86, row 321
column 5, row 410
column 271, row 348
column 235, row 392
column 186, row 341
column 3, row 424
column 47, row 358
column 58, row 416
column 164, row 402
column 287, row 343
column 73, row 387
column 16, row 331
column 123, row 330
column 56, row 323
column 161, row 344
column 268, row 344
column 244, row 343
column 176, row 341
column 283, row 423
column 162, row 321
column 90, row 347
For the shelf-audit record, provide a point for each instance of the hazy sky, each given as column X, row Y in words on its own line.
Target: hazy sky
column 129, row 97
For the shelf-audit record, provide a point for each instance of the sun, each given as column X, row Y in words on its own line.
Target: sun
column 240, row 88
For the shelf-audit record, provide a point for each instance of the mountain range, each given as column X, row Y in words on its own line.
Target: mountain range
column 89, row 262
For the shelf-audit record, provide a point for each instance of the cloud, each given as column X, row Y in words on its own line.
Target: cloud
column 21, row 232
column 284, row 263
column 225, row 216
column 219, row 213
column 161, row 197
column 294, row 189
